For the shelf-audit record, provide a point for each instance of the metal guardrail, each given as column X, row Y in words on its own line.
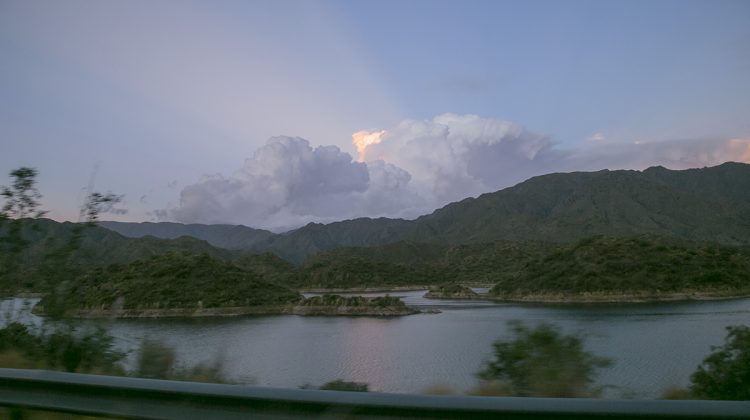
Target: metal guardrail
column 159, row 399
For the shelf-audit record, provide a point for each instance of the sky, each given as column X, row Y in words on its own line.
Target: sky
column 274, row 114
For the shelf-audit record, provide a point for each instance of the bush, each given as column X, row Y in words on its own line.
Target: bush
column 542, row 362
column 155, row 360
column 341, row 385
column 66, row 349
column 725, row 373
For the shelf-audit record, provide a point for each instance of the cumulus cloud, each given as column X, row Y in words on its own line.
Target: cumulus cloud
column 454, row 156
column 362, row 139
column 411, row 169
column 287, row 182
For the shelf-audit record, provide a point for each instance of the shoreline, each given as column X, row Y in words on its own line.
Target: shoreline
column 236, row 311
column 374, row 289
column 619, row 298
column 561, row 298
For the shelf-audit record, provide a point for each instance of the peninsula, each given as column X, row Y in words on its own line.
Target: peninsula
column 184, row 285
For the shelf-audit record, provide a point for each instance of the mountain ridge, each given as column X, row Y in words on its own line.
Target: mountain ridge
column 697, row 204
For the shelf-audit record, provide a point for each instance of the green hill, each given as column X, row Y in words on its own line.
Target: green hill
column 642, row 268
column 646, row 266
column 415, row 264
column 169, row 281
column 49, row 258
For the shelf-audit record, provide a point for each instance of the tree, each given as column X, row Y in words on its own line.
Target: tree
column 21, row 202
column 725, row 373
column 96, row 204
column 542, row 362
column 60, row 264
column 21, row 199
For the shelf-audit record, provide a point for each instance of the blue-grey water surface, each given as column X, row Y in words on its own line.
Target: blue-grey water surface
column 654, row 345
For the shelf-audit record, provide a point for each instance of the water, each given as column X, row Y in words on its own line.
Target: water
column 654, row 346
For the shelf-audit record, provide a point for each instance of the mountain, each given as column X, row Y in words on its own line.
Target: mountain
column 313, row 238
column 701, row 204
column 222, row 236
column 707, row 204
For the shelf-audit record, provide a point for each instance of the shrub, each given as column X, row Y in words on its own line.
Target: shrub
column 542, row 362
column 725, row 373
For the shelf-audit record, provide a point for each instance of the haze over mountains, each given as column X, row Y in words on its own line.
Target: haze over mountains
column 708, row 204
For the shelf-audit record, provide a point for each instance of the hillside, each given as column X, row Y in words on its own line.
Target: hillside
column 708, row 204
column 169, row 281
column 644, row 268
column 49, row 249
column 415, row 264
column 700, row 204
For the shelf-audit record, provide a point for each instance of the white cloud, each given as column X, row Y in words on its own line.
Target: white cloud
column 453, row 156
column 287, row 183
column 598, row 136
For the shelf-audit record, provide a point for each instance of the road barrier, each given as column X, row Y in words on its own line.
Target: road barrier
column 140, row 398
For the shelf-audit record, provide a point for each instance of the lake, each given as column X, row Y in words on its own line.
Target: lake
column 653, row 345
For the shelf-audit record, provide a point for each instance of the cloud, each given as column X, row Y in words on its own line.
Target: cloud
column 287, row 183
column 598, row 136
column 453, row 156
column 412, row 169
column 362, row 139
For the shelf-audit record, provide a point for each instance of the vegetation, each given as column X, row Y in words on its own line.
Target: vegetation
column 353, row 301
column 353, row 305
column 55, row 250
column 416, row 264
column 725, row 373
column 647, row 266
column 542, row 362
column 65, row 348
column 451, row 291
column 157, row 360
column 599, row 267
column 174, row 280
column 340, row 385
column 21, row 201
column 92, row 351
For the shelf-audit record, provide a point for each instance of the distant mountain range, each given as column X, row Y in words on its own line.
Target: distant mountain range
column 222, row 236
column 604, row 235
column 708, row 204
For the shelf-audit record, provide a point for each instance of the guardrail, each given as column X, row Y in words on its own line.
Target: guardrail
column 159, row 399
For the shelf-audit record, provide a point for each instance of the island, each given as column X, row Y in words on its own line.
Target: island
column 353, row 306
column 451, row 291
